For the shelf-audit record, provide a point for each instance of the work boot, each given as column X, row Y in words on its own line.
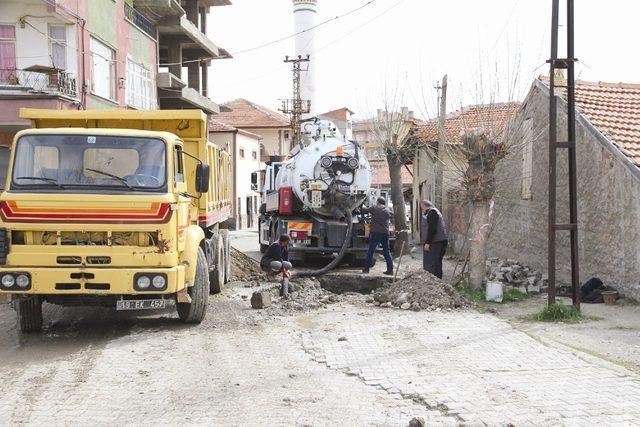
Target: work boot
column 388, row 273
column 365, row 270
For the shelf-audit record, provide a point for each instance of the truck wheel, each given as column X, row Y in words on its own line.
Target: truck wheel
column 29, row 314
column 216, row 277
column 227, row 255
column 195, row 311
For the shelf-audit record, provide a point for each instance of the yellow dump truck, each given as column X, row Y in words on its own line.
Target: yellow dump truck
column 124, row 209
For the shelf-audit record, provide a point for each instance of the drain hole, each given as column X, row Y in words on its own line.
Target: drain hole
column 69, row 260
column 98, row 260
column 67, row 286
column 98, row 286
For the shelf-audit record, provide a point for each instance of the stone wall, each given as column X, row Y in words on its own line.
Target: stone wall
column 608, row 201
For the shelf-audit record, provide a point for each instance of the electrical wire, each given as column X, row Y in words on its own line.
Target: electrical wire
column 370, row 2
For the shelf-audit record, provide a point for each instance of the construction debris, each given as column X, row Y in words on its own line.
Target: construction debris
column 244, row 268
column 419, row 290
column 304, row 294
column 514, row 274
column 260, row 299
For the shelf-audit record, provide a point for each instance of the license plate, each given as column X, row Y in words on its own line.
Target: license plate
column 143, row 304
column 306, row 242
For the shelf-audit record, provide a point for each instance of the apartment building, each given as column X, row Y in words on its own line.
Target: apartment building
column 93, row 54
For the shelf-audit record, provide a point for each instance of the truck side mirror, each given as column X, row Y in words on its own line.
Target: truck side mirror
column 202, row 177
column 5, row 152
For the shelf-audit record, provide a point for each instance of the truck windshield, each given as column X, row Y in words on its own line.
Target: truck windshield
column 89, row 162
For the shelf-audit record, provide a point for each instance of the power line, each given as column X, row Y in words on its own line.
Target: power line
column 306, row 29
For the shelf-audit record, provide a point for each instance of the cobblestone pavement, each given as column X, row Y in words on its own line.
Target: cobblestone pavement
column 234, row 369
column 476, row 368
column 348, row 365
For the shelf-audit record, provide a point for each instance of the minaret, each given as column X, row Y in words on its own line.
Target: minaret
column 304, row 13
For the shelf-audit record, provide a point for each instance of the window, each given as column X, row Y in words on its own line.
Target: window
column 103, row 70
column 527, row 158
column 286, row 134
column 254, row 155
column 178, row 167
column 89, row 163
column 58, row 46
column 242, row 153
column 139, row 92
column 7, row 52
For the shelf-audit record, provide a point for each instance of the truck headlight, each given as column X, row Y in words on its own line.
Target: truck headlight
column 159, row 282
column 143, row 282
column 353, row 163
column 23, row 281
column 8, row 280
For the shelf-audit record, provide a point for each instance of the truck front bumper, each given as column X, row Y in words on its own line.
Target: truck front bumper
column 92, row 281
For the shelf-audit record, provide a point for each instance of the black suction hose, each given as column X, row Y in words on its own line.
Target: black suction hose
column 338, row 258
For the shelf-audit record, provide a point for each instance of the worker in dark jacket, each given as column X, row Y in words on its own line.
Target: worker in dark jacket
column 276, row 259
column 434, row 238
column 379, row 234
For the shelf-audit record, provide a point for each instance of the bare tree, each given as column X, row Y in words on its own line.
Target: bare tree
column 394, row 127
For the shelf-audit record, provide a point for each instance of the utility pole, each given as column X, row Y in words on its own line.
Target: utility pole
column 442, row 113
column 296, row 106
column 567, row 63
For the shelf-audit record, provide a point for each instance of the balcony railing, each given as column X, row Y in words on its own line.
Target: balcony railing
column 137, row 19
column 54, row 82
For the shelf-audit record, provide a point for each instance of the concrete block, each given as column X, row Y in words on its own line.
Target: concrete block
column 260, row 299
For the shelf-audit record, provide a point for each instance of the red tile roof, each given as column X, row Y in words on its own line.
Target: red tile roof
column 493, row 117
column 216, row 126
column 613, row 108
column 247, row 114
column 380, row 173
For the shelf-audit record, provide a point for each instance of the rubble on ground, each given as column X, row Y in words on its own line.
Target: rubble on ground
column 305, row 294
column 244, row 268
column 417, row 291
column 514, row 274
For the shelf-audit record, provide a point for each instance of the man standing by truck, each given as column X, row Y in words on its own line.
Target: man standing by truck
column 434, row 238
column 379, row 234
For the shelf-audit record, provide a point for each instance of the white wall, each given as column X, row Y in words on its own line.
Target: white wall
column 242, row 168
column 245, row 166
column 273, row 140
column 32, row 45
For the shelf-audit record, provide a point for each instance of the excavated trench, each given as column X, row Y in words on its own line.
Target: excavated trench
column 340, row 282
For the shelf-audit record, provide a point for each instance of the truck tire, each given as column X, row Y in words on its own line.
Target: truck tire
column 195, row 311
column 29, row 314
column 216, row 276
column 227, row 255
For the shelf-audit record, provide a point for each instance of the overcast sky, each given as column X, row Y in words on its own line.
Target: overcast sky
column 410, row 44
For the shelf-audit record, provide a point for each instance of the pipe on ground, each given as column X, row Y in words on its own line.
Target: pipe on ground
column 347, row 239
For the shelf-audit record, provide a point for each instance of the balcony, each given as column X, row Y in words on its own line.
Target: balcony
column 140, row 21
column 174, row 94
column 179, row 30
column 156, row 10
column 37, row 81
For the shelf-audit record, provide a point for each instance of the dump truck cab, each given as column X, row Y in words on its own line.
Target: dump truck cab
column 122, row 209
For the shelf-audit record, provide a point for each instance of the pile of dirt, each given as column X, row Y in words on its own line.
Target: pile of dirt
column 304, row 294
column 244, row 268
column 419, row 291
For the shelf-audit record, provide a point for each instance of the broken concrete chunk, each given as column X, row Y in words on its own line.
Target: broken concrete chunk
column 260, row 299
column 405, row 306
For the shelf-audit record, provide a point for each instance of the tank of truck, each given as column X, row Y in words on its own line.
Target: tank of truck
column 326, row 173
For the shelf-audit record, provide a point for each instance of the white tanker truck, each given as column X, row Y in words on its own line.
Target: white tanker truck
column 312, row 196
